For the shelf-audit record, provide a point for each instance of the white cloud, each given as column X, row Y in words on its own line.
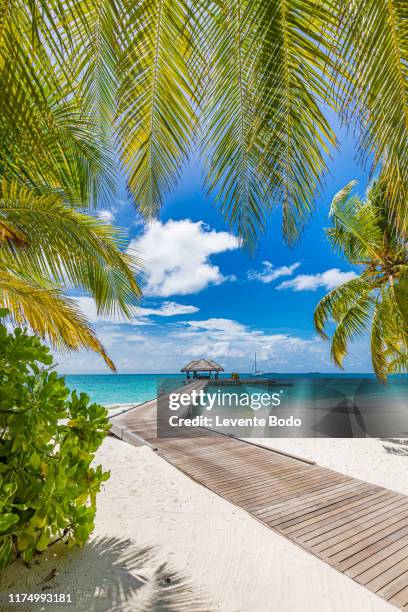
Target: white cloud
column 166, row 309
column 270, row 273
column 169, row 309
column 176, row 256
column 106, row 215
column 218, row 325
column 310, row 282
column 236, row 343
column 231, row 343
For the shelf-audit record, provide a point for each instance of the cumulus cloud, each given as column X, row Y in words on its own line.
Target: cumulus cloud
column 270, row 272
column 310, row 282
column 176, row 256
column 169, row 309
column 236, row 343
column 220, row 325
column 232, row 343
column 166, row 309
column 106, row 215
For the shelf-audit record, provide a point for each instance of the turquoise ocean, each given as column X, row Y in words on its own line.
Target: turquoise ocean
column 108, row 389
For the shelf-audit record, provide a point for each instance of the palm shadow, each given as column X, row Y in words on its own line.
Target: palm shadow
column 129, row 578
column 400, row 446
column 110, row 574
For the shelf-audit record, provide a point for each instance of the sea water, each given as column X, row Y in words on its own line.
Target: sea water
column 110, row 389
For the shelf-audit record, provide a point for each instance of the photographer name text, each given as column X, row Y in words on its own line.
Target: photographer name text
column 223, row 421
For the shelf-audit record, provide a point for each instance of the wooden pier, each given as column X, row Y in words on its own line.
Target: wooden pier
column 357, row 527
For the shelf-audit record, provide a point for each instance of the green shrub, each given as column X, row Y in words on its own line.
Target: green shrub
column 47, row 442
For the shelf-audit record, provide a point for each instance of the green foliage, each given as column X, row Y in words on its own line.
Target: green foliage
column 47, row 443
column 48, row 244
column 254, row 83
column 365, row 235
column 55, row 163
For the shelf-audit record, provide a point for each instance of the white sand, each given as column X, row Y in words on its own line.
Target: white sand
column 364, row 458
column 231, row 561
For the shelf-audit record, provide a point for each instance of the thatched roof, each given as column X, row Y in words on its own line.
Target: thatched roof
column 202, row 365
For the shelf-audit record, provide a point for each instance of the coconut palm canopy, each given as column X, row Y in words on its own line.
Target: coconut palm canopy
column 251, row 84
column 54, row 165
column 377, row 300
column 202, row 365
column 248, row 82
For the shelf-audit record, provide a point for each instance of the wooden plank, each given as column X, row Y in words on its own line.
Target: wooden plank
column 380, row 570
column 401, row 599
column 342, row 551
column 375, row 559
column 318, row 511
column 286, row 489
column 357, row 527
column 371, row 549
column 395, row 586
column 326, row 528
column 275, row 512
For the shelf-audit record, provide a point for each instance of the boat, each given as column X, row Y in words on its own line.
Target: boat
column 256, row 372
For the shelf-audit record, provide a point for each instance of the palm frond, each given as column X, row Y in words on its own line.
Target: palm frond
column 356, row 230
column 394, row 332
column 398, row 364
column 48, row 137
column 373, row 37
column 294, row 134
column 401, row 294
column 156, row 115
column 230, row 118
column 66, row 247
column 378, row 354
column 366, row 234
column 266, row 137
column 354, row 322
column 49, row 314
column 338, row 301
column 261, row 73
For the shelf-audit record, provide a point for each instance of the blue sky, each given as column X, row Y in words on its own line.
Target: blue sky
column 206, row 297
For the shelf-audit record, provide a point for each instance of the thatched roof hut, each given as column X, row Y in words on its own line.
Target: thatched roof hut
column 202, row 368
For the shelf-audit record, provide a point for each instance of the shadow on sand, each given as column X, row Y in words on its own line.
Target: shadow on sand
column 107, row 574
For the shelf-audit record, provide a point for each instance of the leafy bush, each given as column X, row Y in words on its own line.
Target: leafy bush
column 47, row 442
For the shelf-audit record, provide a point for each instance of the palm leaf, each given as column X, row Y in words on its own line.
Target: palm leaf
column 48, row 138
column 230, row 118
column 401, row 294
column 67, row 247
column 356, row 230
column 259, row 73
column 49, row 314
column 378, row 355
column 266, row 136
column 156, row 106
column 338, row 301
column 373, row 38
column 354, row 322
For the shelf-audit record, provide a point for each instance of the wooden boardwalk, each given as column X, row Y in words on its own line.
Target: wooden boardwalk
column 358, row 528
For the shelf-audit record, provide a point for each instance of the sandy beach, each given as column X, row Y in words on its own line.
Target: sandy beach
column 163, row 542
column 369, row 459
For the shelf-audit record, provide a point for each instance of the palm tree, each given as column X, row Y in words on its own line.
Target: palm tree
column 248, row 82
column 378, row 298
column 54, row 163
column 46, row 245
column 251, row 84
